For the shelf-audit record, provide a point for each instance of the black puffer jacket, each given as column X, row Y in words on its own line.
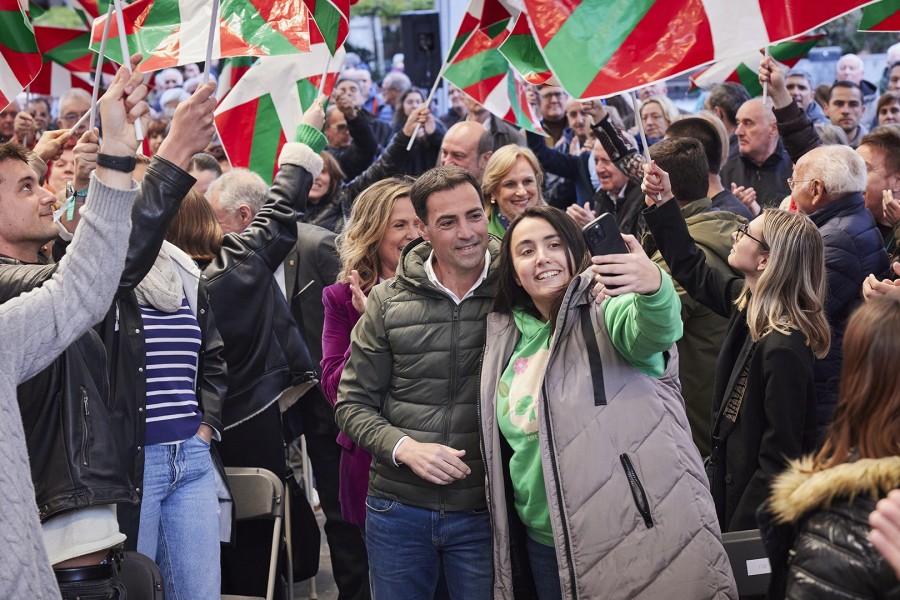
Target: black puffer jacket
column 68, row 409
column 853, row 249
column 815, row 529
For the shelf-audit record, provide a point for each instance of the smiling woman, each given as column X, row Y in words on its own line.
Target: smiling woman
column 557, row 432
column 513, row 181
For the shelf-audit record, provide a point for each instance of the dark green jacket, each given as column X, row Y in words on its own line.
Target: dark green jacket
column 704, row 330
column 413, row 370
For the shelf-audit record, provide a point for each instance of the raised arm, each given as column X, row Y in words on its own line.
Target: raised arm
column 687, row 263
column 39, row 325
column 796, row 129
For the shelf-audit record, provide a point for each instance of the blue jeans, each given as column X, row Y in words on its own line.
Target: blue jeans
column 179, row 518
column 407, row 546
column 544, row 570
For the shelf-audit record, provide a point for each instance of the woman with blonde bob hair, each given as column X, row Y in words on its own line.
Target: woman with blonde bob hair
column 382, row 222
column 819, row 509
column 657, row 113
column 764, row 405
column 513, row 181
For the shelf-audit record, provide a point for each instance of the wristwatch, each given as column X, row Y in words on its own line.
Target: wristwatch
column 125, row 164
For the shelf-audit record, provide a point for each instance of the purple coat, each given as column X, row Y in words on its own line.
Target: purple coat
column 340, row 317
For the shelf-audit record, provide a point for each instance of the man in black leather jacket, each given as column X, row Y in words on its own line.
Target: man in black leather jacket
column 83, row 437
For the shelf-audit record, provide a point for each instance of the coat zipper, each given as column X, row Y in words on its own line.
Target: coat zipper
column 454, row 357
column 85, row 427
column 637, row 490
column 567, row 541
column 487, row 473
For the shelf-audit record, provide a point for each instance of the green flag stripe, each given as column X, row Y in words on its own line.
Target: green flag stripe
column 16, row 34
column 162, row 20
column 307, row 92
column 524, row 55
column 789, row 50
column 328, row 19
column 71, row 51
column 246, row 20
column 477, row 68
column 266, row 135
column 750, row 79
column 591, row 36
column 878, row 12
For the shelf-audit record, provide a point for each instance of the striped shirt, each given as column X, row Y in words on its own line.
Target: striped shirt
column 173, row 347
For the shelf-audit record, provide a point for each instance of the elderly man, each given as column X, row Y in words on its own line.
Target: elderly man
column 7, row 121
column 468, row 146
column 850, row 67
column 725, row 99
column 799, row 85
column 72, row 105
column 846, row 106
column 350, row 134
column 762, row 164
column 393, row 86
column 426, row 505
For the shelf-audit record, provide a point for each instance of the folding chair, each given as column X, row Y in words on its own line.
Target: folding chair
column 259, row 494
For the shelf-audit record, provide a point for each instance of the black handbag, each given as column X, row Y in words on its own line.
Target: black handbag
column 306, row 539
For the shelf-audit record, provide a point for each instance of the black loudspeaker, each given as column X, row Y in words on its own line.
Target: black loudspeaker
column 421, row 46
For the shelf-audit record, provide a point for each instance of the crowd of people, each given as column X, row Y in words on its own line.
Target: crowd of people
column 491, row 409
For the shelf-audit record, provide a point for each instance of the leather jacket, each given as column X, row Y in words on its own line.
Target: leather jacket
column 264, row 350
column 73, row 419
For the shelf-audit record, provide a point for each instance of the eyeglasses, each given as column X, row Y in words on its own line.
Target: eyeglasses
column 745, row 230
column 70, row 117
column 792, row 182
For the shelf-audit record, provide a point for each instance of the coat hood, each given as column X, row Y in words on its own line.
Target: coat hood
column 800, row 490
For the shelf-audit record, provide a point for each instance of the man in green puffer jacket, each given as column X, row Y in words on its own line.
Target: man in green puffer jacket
column 409, row 396
column 704, row 330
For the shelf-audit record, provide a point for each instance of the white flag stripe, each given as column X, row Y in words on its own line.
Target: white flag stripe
column 735, row 26
column 194, row 33
column 10, row 87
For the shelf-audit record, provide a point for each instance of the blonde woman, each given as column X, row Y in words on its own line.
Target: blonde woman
column 657, row 113
column 381, row 224
column 765, row 400
column 512, row 181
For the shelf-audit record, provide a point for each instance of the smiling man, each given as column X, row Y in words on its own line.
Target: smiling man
column 408, row 396
column 762, row 164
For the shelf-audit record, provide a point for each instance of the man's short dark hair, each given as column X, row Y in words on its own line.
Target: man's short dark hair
column 704, row 132
column 204, row 162
column 728, row 96
column 13, row 151
column 845, row 84
column 684, row 160
column 801, row 73
column 887, row 139
column 439, row 179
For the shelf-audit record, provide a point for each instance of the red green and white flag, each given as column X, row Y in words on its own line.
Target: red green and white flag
column 232, row 69
column 483, row 73
column 598, row 48
column 55, row 80
column 69, row 48
column 881, row 16
column 20, row 60
column 332, row 19
column 744, row 69
column 176, row 32
column 523, row 53
column 265, row 108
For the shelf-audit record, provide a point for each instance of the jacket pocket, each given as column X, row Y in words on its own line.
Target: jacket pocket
column 85, row 428
column 637, row 490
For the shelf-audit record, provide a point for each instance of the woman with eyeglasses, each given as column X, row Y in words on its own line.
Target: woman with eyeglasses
column 765, row 399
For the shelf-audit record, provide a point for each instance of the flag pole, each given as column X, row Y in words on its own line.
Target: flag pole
column 640, row 124
column 213, row 22
column 98, row 74
column 324, row 75
column 437, row 82
column 765, row 83
column 120, row 21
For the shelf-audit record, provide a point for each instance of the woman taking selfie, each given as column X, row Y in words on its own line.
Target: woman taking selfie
column 587, row 448
column 765, row 399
